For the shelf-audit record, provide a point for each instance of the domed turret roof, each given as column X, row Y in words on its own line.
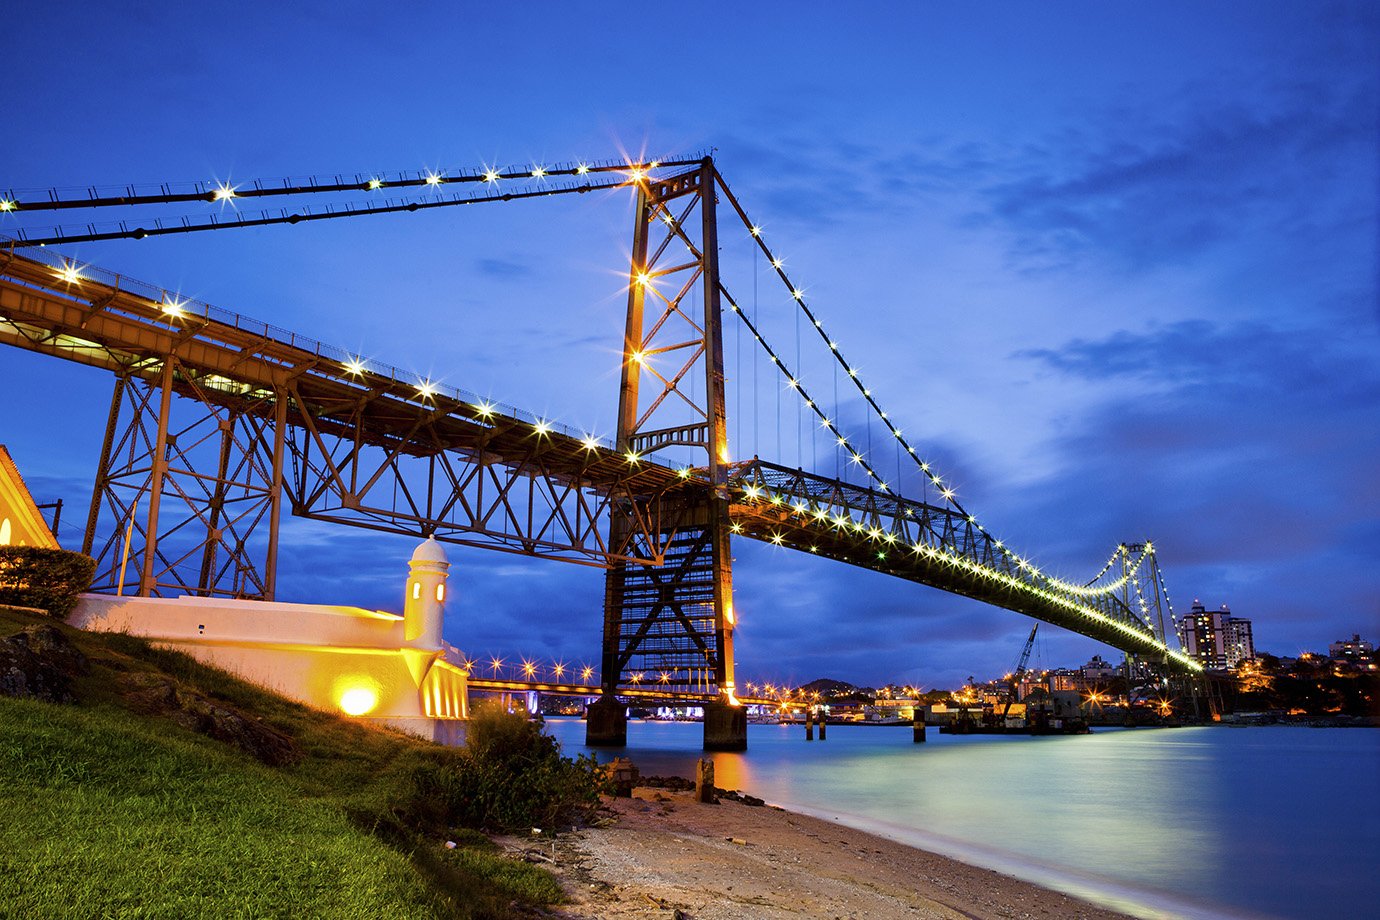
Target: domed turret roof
column 430, row 551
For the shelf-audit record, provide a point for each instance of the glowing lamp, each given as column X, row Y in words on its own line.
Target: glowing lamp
column 357, row 701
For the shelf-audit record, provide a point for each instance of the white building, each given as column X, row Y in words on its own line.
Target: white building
column 367, row 664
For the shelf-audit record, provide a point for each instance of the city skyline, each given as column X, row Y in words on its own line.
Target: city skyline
column 1129, row 298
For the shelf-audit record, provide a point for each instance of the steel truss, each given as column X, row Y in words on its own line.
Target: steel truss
column 262, row 416
column 674, row 624
column 936, row 546
column 185, row 492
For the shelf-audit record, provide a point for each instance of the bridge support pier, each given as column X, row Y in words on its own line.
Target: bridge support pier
column 725, row 727
column 606, row 723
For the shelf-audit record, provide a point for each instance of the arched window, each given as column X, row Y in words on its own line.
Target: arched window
column 416, row 590
column 5, row 532
column 440, row 592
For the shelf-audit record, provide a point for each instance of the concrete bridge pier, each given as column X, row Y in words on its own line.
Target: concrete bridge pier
column 606, row 723
column 725, row 727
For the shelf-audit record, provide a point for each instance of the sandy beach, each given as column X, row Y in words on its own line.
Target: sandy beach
column 661, row 854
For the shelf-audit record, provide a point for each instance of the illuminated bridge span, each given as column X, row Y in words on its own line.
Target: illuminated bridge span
column 189, row 491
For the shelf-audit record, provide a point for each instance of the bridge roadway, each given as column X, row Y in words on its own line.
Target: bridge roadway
column 485, row 454
column 634, row 694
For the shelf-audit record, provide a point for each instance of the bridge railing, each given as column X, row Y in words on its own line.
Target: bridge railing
column 182, row 310
column 890, row 523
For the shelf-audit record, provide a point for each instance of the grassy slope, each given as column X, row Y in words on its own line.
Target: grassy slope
column 106, row 812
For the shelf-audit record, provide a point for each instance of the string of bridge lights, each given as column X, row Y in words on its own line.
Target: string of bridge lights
column 217, row 190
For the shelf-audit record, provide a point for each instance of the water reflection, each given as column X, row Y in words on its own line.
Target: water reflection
column 1141, row 817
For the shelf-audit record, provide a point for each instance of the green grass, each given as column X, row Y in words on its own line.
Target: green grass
column 108, row 813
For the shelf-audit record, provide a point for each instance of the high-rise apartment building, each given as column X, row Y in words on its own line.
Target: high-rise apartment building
column 1216, row 639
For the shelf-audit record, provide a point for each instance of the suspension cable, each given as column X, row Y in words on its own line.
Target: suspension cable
column 128, row 195
column 799, row 296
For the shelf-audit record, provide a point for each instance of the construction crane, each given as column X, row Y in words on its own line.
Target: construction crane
column 1013, row 680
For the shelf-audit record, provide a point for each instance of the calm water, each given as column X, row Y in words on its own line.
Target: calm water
column 1191, row 822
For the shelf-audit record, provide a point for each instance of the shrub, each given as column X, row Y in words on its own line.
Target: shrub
column 510, row 777
column 49, row 579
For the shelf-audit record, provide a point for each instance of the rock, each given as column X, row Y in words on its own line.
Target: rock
column 160, row 695
column 39, row 663
column 674, row 783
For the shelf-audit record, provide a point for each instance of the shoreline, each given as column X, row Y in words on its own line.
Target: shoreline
column 661, row 854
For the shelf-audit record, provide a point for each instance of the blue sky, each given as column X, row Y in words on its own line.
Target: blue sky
column 1111, row 266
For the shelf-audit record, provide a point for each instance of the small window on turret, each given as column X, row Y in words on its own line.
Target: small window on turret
column 416, row 590
column 440, row 592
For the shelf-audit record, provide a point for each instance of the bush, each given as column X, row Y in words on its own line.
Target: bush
column 49, row 579
column 510, row 777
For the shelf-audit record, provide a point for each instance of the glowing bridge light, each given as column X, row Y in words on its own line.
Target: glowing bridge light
column 776, row 263
column 223, row 192
column 538, row 173
column 756, row 231
column 490, row 175
column 590, row 442
column 69, row 273
column 529, row 668
column 7, row 204
column 633, row 456
column 426, row 389
column 683, row 472
column 359, row 700
column 586, row 673
column 354, row 367
column 581, row 169
column 541, row 427
column 638, row 357
column 433, row 178
column 375, row 184
column 777, row 538
column 485, row 409
column 174, row 306
column 644, row 279
column 797, row 293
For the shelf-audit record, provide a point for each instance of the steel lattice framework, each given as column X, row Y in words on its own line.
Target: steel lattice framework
column 191, row 489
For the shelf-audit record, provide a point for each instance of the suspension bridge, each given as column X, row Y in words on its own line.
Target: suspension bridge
column 217, row 423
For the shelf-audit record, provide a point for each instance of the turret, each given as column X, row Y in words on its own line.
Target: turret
column 424, row 611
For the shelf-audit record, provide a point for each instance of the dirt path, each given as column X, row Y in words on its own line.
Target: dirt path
column 667, row 856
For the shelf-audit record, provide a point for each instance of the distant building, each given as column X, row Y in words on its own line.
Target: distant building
column 1098, row 670
column 1350, row 649
column 1216, row 639
column 1355, row 651
column 1065, row 679
column 1240, row 642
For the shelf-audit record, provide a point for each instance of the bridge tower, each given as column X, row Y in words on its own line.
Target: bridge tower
column 671, row 626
